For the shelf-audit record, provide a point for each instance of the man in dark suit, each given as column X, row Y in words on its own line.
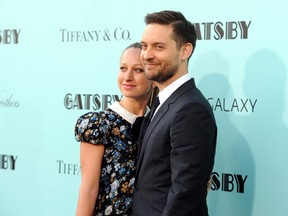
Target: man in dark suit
column 177, row 145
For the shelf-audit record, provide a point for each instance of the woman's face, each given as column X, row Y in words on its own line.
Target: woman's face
column 132, row 81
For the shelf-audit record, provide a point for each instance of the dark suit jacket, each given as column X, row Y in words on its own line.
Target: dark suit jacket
column 176, row 157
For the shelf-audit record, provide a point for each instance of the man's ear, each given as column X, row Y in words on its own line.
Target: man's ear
column 186, row 51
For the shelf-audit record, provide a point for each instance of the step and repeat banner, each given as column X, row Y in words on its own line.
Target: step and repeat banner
column 59, row 60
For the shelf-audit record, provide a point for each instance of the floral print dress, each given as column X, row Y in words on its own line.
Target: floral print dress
column 108, row 128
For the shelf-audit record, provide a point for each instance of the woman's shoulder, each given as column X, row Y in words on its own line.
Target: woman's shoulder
column 97, row 116
column 93, row 126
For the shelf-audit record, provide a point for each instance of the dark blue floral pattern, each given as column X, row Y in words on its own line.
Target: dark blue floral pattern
column 119, row 161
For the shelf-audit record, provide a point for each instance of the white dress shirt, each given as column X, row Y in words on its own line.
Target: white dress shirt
column 168, row 90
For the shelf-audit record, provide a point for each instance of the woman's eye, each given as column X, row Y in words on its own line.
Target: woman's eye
column 140, row 70
column 122, row 68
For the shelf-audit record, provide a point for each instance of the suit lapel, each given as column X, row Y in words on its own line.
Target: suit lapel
column 159, row 115
column 147, row 132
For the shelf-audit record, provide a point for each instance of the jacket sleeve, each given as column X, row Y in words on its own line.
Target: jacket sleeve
column 192, row 135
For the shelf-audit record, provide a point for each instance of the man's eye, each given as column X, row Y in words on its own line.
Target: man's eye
column 144, row 47
column 159, row 47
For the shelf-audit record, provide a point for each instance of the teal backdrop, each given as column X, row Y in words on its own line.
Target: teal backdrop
column 59, row 60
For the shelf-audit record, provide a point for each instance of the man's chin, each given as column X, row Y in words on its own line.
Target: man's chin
column 150, row 75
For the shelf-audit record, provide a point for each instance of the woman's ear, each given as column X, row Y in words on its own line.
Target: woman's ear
column 186, row 51
column 154, row 84
column 153, row 94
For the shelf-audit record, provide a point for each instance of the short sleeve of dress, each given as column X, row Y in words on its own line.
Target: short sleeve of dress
column 92, row 127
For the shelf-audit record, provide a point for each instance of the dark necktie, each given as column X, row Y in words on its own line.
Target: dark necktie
column 153, row 109
column 146, row 122
column 137, row 126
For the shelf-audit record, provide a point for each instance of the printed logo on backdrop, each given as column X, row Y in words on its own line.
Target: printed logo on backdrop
column 7, row 100
column 222, row 30
column 9, row 36
column 65, row 168
column 89, row 101
column 247, row 105
column 8, row 162
column 95, row 35
column 228, row 182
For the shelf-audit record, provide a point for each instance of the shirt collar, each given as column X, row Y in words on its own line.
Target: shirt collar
column 128, row 116
column 168, row 90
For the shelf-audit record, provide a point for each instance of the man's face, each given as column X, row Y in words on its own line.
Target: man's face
column 159, row 54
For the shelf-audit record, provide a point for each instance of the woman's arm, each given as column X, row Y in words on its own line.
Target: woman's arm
column 90, row 159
